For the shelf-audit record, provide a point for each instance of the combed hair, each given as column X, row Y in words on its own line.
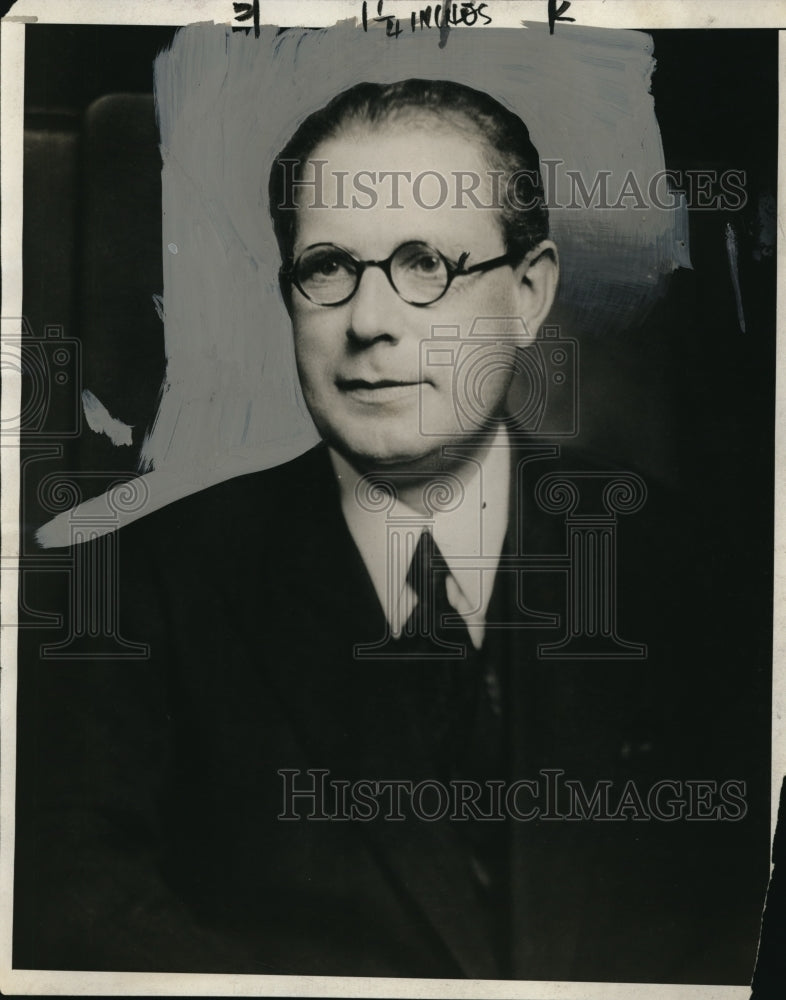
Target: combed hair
column 501, row 134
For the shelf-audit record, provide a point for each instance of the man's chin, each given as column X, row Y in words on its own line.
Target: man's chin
column 374, row 459
column 376, row 444
column 426, row 456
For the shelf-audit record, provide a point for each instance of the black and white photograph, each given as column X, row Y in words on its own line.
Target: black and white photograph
column 390, row 461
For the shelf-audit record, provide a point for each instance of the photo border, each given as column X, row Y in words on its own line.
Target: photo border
column 620, row 14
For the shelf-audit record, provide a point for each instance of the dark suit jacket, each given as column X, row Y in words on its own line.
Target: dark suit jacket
column 149, row 792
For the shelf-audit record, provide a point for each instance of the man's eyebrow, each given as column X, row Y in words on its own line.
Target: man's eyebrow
column 453, row 250
column 300, row 245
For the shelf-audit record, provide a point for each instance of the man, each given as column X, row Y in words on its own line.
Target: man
column 330, row 635
column 368, row 288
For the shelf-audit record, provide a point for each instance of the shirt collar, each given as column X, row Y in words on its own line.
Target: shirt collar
column 473, row 524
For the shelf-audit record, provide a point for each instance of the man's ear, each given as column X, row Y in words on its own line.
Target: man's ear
column 537, row 277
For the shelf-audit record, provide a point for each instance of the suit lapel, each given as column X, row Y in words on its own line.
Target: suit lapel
column 360, row 717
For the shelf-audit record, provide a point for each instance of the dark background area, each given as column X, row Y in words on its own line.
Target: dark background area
column 683, row 395
column 91, row 246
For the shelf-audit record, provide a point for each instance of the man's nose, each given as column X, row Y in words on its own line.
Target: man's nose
column 375, row 309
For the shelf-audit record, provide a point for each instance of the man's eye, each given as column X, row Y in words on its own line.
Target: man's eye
column 324, row 267
column 421, row 261
column 427, row 263
column 327, row 267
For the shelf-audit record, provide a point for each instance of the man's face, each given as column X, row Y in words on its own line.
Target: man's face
column 361, row 364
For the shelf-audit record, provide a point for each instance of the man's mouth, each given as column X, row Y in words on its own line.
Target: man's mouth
column 380, row 383
column 381, row 390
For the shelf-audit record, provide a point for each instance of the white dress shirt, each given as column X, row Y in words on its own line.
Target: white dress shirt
column 469, row 534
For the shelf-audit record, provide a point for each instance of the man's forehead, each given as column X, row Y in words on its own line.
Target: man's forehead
column 383, row 186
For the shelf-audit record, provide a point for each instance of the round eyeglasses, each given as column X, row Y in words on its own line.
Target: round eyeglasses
column 329, row 275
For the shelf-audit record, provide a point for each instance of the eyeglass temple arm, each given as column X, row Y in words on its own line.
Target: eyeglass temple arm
column 484, row 265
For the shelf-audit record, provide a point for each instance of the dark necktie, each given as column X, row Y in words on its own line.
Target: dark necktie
column 434, row 621
column 438, row 635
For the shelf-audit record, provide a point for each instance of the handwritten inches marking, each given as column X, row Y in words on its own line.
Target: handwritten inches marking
column 441, row 16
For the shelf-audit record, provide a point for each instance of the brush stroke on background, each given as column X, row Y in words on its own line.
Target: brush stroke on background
column 227, row 102
column 101, row 421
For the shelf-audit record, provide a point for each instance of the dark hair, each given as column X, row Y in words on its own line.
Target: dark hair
column 501, row 134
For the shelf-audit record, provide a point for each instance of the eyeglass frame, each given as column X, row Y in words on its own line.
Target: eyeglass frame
column 458, row 270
